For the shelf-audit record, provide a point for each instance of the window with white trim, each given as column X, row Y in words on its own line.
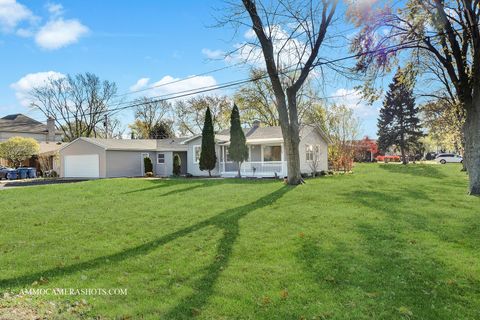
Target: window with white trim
column 196, row 153
column 160, row 158
column 309, row 152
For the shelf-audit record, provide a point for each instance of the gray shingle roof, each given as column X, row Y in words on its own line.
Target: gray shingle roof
column 124, row 144
column 21, row 123
column 171, row 144
column 254, row 133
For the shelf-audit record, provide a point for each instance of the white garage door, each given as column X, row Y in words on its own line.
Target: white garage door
column 82, row 166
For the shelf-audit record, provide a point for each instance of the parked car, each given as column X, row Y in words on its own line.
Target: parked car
column 448, row 157
column 7, row 173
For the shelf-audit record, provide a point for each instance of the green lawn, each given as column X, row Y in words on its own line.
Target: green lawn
column 387, row 242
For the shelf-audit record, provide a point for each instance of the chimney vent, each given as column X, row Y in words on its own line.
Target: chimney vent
column 256, row 124
column 50, row 129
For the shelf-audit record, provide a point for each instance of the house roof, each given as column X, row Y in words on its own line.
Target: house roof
column 50, row 147
column 21, row 123
column 254, row 134
column 170, row 144
column 123, row 144
column 262, row 134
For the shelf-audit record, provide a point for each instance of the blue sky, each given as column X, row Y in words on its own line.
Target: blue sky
column 127, row 42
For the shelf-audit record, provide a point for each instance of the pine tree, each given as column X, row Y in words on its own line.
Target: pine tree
column 208, row 158
column 238, row 149
column 399, row 124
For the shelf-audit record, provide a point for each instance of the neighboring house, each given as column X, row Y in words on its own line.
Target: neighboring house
column 108, row 158
column 19, row 125
column 49, row 139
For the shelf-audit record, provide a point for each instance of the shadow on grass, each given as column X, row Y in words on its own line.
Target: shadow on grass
column 193, row 184
column 385, row 279
column 387, row 268
column 422, row 170
column 387, row 274
column 228, row 221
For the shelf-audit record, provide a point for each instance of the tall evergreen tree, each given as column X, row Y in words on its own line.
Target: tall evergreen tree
column 238, row 150
column 399, row 124
column 208, row 158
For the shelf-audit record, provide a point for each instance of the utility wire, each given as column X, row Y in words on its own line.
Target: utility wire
column 185, row 93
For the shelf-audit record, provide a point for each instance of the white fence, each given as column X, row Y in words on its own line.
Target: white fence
column 255, row 169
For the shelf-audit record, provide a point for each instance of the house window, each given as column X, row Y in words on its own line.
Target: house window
column 196, row 153
column 161, row 158
column 309, row 152
column 272, row 153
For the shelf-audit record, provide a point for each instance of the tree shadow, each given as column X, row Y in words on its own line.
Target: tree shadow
column 394, row 205
column 228, row 221
column 388, row 268
column 422, row 170
column 383, row 272
column 192, row 183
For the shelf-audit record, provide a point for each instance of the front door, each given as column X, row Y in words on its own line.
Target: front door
column 161, row 165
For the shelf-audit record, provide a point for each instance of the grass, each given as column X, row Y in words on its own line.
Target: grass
column 387, row 242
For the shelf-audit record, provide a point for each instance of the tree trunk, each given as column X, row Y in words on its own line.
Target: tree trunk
column 210, row 173
column 292, row 142
column 404, row 158
column 239, row 174
column 291, row 138
column 472, row 148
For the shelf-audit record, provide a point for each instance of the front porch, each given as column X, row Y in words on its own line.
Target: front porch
column 264, row 160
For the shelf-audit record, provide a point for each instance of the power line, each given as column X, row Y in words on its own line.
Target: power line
column 185, row 93
column 177, row 80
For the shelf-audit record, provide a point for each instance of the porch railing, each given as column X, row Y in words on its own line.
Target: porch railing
column 255, row 168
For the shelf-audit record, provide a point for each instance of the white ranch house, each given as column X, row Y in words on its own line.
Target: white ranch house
column 109, row 158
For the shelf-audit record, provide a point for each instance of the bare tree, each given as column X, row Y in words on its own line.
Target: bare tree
column 290, row 34
column 190, row 113
column 149, row 114
column 343, row 128
column 442, row 33
column 256, row 100
column 114, row 128
column 77, row 103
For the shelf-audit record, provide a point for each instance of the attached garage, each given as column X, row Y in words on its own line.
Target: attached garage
column 105, row 158
column 82, row 166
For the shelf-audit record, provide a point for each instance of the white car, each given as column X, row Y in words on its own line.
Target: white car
column 448, row 157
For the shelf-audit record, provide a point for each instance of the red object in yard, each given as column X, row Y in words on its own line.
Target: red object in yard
column 388, row 158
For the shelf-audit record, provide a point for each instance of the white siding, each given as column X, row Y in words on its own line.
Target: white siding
column 192, row 167
column 309, row 136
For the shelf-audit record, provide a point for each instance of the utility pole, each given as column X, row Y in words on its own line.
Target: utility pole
column 105, row 124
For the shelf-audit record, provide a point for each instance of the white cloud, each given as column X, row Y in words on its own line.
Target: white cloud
column 249, row 34
column 23, row 86
column 60, row 33
column 12, row 14
column 56, row 33
column 55, row 9
column 140, row 84
column 213, row 54
column 353, row 99
column 24, row 33
column 164, row 86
